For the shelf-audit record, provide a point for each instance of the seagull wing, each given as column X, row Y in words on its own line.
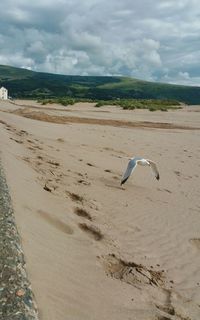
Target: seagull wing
column 154, row 169
column 131, row 166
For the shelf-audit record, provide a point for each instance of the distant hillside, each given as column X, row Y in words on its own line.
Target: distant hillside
column 23, row 83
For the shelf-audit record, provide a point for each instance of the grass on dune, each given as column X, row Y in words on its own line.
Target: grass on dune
column 125, row 104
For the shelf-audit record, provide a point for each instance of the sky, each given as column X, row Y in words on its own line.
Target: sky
column 154, row 40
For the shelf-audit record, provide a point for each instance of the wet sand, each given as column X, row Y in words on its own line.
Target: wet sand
column 95, row 250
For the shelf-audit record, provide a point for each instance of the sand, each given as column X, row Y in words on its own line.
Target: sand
column 95, row 250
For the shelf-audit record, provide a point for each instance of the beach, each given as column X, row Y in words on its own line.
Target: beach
column 94, row 249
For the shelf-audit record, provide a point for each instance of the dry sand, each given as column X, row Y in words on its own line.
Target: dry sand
column 95, row 250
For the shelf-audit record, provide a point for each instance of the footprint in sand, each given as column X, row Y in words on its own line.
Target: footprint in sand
column 177, row 307
column 195, row 242
column 168, row 309
column 40, row 157
column 82, row 213
column 116, row 177
column 86, row 183
column 53, row 163
column 92, row 231
column 18, row 141
column 27, row 159
column 165, row 190
column 108, row 170
column 55, row 222
column 23, row 132
column 131, row 272
column 30, row 141
column 79, row 174
column 75, row 197
column 38, row 147
column 177, row 173
column 90, row 164
column 3, row 122
column 46, row 188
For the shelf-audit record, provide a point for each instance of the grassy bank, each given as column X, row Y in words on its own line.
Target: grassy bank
column 126, row 104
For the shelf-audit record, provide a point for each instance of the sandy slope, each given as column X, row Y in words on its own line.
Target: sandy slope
column 95, row 250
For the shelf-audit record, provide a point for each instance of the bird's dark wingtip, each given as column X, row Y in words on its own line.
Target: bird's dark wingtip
column 123, row 181
column 158, row 177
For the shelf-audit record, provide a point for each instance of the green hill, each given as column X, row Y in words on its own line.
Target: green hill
column 23, row 83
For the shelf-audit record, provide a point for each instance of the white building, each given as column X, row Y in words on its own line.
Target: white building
column 3, row 93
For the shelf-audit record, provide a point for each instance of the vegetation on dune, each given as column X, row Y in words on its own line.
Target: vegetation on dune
column 150, row 104
column 126, row 104
column 62, row 101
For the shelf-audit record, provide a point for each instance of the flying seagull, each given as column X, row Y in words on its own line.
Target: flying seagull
column 143, row 162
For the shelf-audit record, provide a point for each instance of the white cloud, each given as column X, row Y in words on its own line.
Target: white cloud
column 148, row 39
column 184, row 75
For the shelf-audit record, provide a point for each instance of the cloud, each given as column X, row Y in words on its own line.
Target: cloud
column 147, row 39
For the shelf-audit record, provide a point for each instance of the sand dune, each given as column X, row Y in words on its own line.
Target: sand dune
column 95, row 250
column 61, row 119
